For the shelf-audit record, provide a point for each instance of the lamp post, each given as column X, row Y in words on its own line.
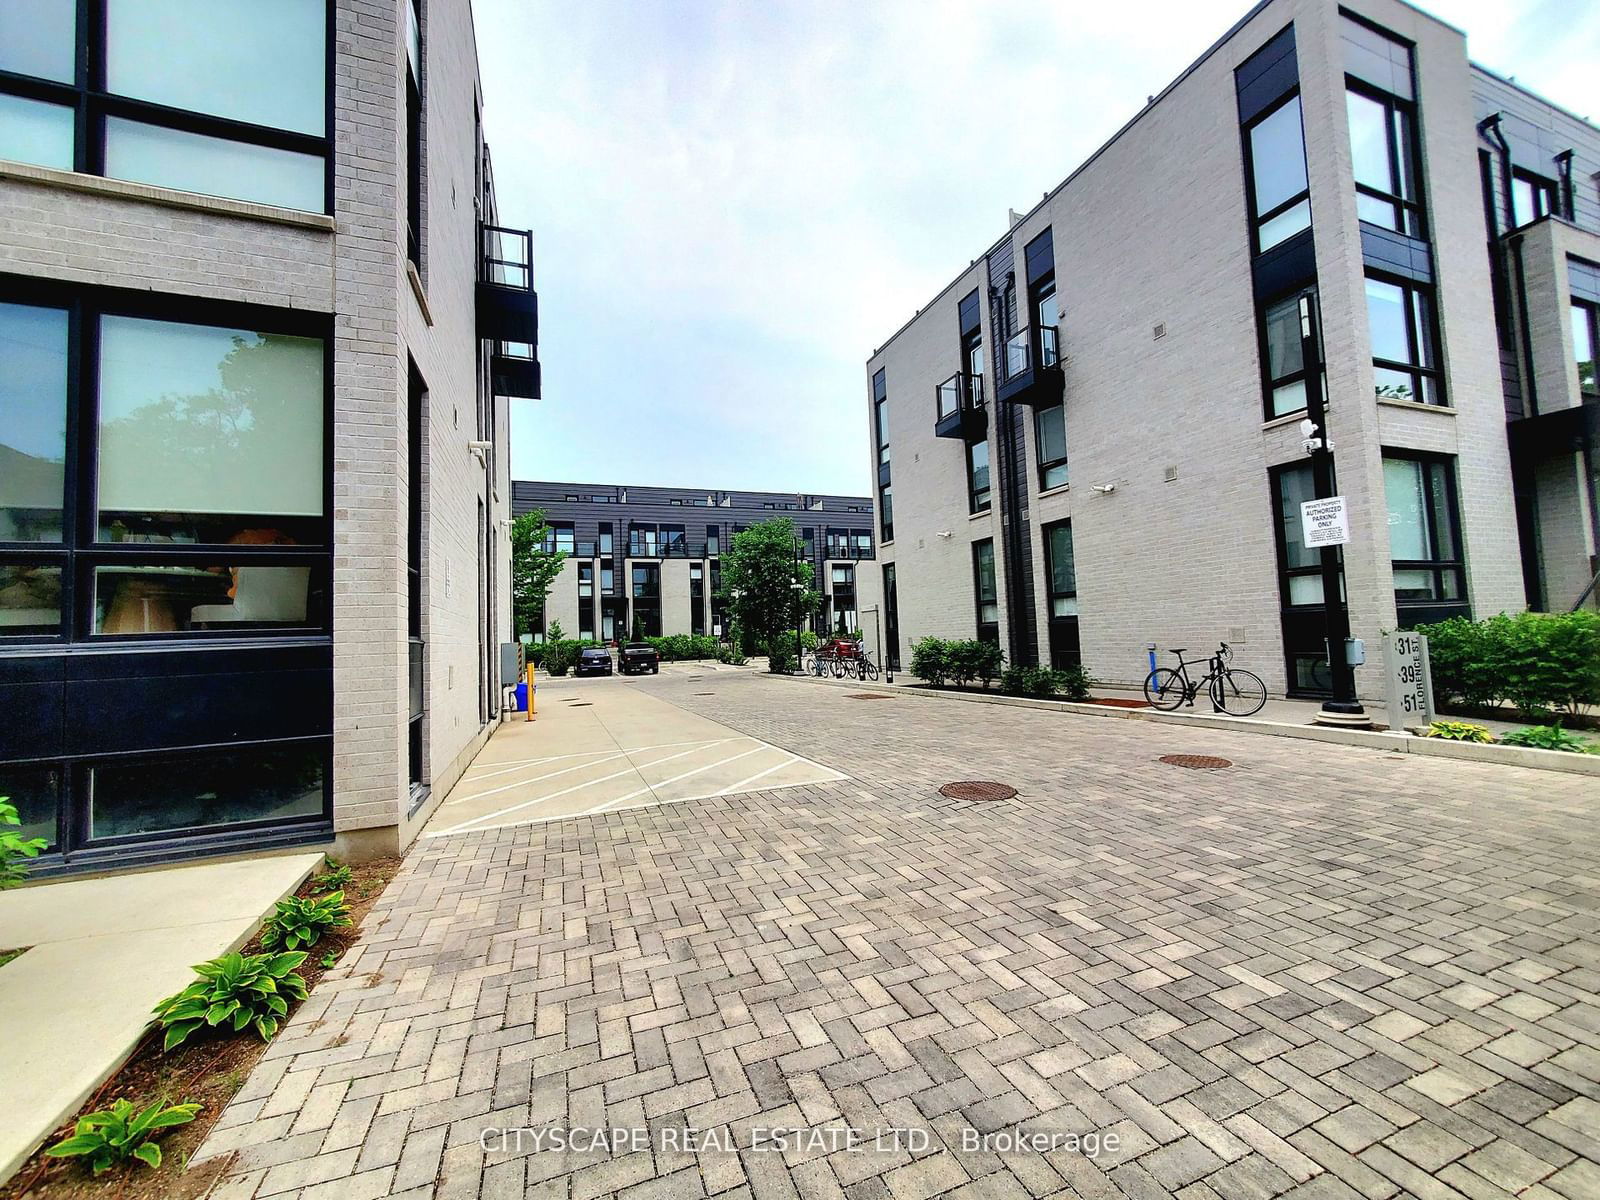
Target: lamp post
column 877, row 637
column 1342, row 708
column 799, row 589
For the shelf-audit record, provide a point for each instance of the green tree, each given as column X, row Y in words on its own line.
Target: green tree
column 760, row 572
column 534, row 567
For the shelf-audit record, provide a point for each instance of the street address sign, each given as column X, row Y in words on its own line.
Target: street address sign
column 1410, row 684
column 1324, row 522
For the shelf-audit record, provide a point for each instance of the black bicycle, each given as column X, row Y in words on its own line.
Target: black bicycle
column 1233, row 690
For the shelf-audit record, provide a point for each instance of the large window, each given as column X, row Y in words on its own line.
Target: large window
column 1383, row 149
column 416, row 648
column 1585, row 336
column 1062, row 573
column 646, row 594
column 1050, row 443
column 1303, row 617
column 697, row 598
column 1280, row 197
column 415, row 145
column 199, row 95
column 881, row 423
column 1405, row 358
column 986, row 594
column 886, row 513
column 891, row 619
column 978, row 476
column 247, row 786
column 1424, row 538
column 191, row 454
column 843, row 588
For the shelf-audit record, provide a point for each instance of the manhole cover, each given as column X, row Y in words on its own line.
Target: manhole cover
column 978, row 790
column 1199, row 762
column 868, row 696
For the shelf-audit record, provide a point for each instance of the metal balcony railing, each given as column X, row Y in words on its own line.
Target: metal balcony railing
column 1018, row 354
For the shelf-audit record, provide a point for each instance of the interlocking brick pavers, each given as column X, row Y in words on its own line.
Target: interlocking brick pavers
column 1327, row 972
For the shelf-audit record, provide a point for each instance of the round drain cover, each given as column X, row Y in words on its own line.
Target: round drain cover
column 972, row 789
column 1199, row 762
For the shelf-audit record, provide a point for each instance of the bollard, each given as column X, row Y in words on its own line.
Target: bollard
column 532, row 689
column 1150, row 648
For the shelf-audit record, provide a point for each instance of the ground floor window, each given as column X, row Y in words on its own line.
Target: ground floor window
column 985, row 591
column 1424, row 537
column 134, row 798
column 843, row 580
column 646, row 595
column 697, row 598
column 891, row 619
column 1304, row 619
column 1062, row 572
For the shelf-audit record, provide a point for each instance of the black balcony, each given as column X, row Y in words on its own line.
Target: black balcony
column 959, row 411
column 508, row 310
column 1030, row 367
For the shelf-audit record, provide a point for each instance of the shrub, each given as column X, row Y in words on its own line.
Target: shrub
column 1536, row 661
column 1549, row 737
column 302, row 921
column 14, row 848
column 335, row 878
column 242, row 990
column 780, row 662
column 1070, row 683
column 1459, row 731
column 930, row 661
column 730, row 654
column 116, row 1134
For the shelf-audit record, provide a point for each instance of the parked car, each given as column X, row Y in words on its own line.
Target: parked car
column 638, row 656
column 596, row 660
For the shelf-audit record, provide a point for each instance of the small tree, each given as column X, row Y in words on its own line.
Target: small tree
column 759, row 574
column 534, row 567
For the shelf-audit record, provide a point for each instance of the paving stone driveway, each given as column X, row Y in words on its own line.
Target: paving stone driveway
column 1326, row 972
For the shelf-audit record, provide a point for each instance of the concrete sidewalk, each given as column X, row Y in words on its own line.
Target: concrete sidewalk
column 103, row 952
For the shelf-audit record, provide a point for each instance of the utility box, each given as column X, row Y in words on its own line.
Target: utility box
column 1355, row 652
column 513, row 664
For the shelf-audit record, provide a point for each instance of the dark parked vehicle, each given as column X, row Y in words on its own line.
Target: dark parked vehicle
column 638, row 656
column 596, row 660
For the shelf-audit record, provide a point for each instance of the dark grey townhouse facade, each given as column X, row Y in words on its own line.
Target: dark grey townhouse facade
column 1090, row 441
column 260, row 330
column 652, row 555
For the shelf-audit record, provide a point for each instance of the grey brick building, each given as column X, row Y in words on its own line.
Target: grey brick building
column 261, row 330
column 654, row 553
column 1089, row 440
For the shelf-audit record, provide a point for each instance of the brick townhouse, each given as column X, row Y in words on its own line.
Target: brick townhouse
column 1090, row 440
column 261, row 330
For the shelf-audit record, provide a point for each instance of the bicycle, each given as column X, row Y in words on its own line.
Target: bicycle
column 866, row 669
column 1235, row 691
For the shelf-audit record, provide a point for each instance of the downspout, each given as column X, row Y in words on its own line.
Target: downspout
column 1489, row 127
column 1564, row 172
column 1000, row 438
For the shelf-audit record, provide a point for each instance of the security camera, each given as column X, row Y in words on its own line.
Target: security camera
column 480, row 447
column 1105, row 489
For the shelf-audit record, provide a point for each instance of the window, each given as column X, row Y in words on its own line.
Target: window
column 886, row 512
column 843, row 582
column 643, row 541
column 1585, row 334
column 713, row 541
column 1279, row 194
column 201, row 471
column 647, row 599
column 1424, row 542
column 697, row 598
column 414, row 134
column 1282, row 358
column 891, row 619
column 978, row 477
column 1532, row 196
column 187, row 101
column 208, row 434
column 562, row 538
column 1405, row 362
column 416, row 491
column 985, row 593
column 881, row 418
column 608, row 580
column 1048, row 314
column 605, row 539
column 585, row 581
column 1304, row 621
column 1301, row 566
column 1383, row 149
column 33, row 425
column 1050, row 442
column 134, row 798
column 860, row 543
column 672, row 541
column 1062, row 574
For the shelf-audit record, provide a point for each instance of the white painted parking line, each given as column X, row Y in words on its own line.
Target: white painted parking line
column 740, row 786
column 577, row 787
column 697, row 771
column 510, row 787
column 528, row 762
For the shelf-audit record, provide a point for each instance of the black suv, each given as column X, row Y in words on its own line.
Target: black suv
column 638, row 656
column 596, row 660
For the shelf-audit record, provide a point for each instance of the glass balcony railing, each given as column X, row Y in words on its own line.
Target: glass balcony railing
column 948, row 397
column 1018, row 352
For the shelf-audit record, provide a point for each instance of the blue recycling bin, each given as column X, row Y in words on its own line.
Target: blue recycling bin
column 522, row 697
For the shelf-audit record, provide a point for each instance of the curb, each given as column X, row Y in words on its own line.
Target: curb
column 1394, row 743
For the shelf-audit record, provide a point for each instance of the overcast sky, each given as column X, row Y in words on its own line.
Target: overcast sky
column 734, row 201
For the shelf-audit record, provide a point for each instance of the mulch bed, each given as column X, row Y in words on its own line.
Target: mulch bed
column 1117, row 702
column 208, row 1068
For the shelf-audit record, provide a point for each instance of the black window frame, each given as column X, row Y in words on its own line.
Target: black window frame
column 416, row 114
column 1590, row 312
column 1269, row 382
column 1259, row 219
column 1437, row 607
column 1045, row 466
column 1540, row 186
column 880, row 413
column 988, row 631
column 92, row 104
column 81, row 549
column 891, row 618
column 1065, row 649
column 416, row 645
column 1429, row 325
column 975, row 503
column 886, row 513
column 1414, row 214
column 697, row 598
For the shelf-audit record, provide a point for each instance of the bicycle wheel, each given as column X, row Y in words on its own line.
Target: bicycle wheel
column 1239, row 692
column 869, row 669
column 838, row 668
column 1164, row 689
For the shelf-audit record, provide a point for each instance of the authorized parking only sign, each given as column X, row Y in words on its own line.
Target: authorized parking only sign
column 1324, row 523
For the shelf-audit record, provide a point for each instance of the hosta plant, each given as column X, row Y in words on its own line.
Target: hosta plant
column 14, row 848
column 302, row 921
column 335, row 878
column 1459, row 731
column 236, row 991
column 1548, row 737
column 114, row 1135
